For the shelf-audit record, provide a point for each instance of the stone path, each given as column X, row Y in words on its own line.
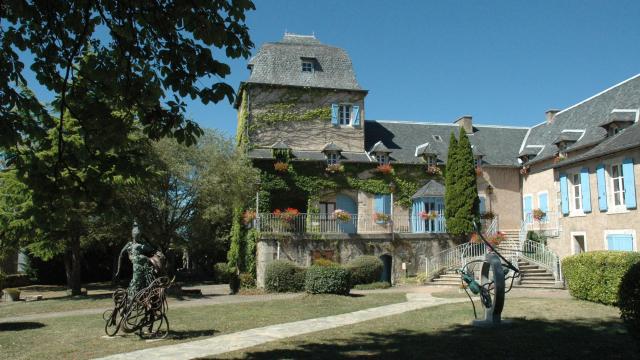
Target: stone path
column 173, row 304
column 231, row 342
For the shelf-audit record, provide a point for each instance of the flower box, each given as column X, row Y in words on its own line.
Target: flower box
column 334, row 168
column 539, row 215
column 385, row 169
column 434, row 170
column 281, row 166
column 381, row 218
column 432, row 215
column 341, row 215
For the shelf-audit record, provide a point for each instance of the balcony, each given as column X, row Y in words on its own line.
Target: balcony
column 549, row 225
column 357, row 224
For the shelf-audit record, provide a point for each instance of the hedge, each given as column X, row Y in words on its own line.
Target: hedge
column 247, row 280
column 365, row 269
column 222, row 273
column 629, row 299
column 327, row 280
column 284, row 276
column 596, row 275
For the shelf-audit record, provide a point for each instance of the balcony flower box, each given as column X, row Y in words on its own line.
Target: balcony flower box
column 478, row 171
column 341, row 215
column 281, row 167
column 334, row 168
column 538, row 214
column 381, row 218
column 385, row 169
column 432, row 215
column 434, row 170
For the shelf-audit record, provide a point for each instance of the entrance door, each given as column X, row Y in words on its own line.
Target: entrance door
column 578, row 244
column 326, row 213
column 386, row 270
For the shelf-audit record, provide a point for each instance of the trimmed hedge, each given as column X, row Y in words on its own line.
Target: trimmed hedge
column 365, row 269
column 327, row 280
column 596, row 275
column 284, row 276
column 325, row 262
column 629, row 298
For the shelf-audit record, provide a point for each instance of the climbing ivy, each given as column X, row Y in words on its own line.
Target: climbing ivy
column 243, row 114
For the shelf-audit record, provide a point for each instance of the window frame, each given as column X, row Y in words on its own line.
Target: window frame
column 611, row 185
column 332, row 158
column 310, row 66
column 572, row 236
column 431, row 160
column 345, row 114
column 576, row 204
column 382, row 158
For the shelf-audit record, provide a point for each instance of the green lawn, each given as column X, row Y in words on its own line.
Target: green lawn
column 541, row 329
column 54, row 305
column 80, row 337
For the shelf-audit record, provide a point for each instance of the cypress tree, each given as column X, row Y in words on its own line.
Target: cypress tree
column 449, row 181
column 465, row 188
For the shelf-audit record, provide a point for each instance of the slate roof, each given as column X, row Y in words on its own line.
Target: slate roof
column 571, row 136
column 280, row 145
column 331, row 147
column 620, row 116
column 499, row 145
column 586, row 115
column 280, row 63
column 379, row 147
column 626, row 139
column 432, row 188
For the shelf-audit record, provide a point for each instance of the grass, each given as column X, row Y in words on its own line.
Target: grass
column 541, row 329
column 54, row 305
column 81, row 337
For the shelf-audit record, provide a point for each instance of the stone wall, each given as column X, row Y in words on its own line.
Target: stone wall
column 412, row 249
column 303, row 118
column 505, row 201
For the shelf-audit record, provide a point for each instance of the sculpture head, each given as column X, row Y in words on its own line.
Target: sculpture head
column 135, row 232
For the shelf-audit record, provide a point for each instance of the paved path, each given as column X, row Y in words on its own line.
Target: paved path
column 231, row 342
column 173, row 304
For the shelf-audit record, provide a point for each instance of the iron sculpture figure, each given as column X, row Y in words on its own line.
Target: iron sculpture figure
column 143, row 304
column 491, row 289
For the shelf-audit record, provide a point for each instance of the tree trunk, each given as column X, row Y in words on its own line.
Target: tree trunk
column 72, row 265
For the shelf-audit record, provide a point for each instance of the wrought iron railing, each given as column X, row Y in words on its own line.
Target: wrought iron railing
column 549, row 225
column 540, row 255
column 355, row 223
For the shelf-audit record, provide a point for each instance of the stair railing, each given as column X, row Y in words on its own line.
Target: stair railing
column 540, row 255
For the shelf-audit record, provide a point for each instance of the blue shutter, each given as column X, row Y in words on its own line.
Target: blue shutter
column 356, row 115
column 334, row 114
column 378, row 203
column 602, row 188
column 347, row 204
column 528, row 209
column 586, row 190
column 564, row 194
column 483, row 208
column 621, row 242
column 386, row 200
column 543, row 204
column 629, row 183
column 417, row 223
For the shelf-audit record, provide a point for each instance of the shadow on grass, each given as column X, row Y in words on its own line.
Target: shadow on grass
column 189, row 334
column 18, row 326
column 522, row 339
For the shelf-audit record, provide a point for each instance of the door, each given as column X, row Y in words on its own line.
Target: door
column 326, row 214
column 543, row 204
column 578, row 244
column 347, row 204
column 386, row 269
column 621, row 242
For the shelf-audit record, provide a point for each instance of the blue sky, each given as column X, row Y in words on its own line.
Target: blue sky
column 503, row 62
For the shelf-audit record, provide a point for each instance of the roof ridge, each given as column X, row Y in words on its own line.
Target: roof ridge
column 446, row 124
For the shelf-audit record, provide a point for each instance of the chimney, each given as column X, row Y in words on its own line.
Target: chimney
column 466, row 123
column 549, row 114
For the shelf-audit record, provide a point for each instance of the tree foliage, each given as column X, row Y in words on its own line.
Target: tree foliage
column 461, row 196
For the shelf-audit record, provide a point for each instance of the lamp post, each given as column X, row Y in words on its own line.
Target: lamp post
column 257, row 221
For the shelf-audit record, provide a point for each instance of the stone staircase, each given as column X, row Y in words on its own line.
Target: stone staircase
column 449, row 278
column 532, row 276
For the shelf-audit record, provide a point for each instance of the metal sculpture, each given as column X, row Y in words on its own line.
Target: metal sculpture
column 494, row 273
column 143, row 305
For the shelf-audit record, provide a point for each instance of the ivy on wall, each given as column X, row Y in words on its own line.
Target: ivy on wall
column 243, row 114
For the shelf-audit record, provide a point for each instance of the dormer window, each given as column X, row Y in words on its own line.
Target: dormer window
column 332, row 158
column 344, row 114
column 382, row 158
column 477, row 161
column 307, row 66
column 431, row 160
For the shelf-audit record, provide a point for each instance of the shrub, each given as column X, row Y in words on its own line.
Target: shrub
column 373, row 286
column 13, row 293
column 234, row 283
column 284, row 276
column 327, row 280
column 596, row 275
column 1, row 280
column 16, row 280
column 365, row 269
column 247, row 281
column 629, row 298
column 222, row 273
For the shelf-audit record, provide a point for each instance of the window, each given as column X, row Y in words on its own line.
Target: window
column 307, row 66
column 382, row 158
column 344, row 114
column 477, row 161
column 327, row 208
column 617, row 184
column 431, row 160
column 332, row 158
column 576, row 192
column 437, row 138
column 613, row 130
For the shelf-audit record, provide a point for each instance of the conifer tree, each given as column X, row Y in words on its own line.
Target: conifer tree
column 465, row 189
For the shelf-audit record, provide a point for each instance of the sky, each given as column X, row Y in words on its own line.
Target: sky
column 502, row 62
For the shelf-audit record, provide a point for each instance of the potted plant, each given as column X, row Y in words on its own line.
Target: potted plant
column 524, row 170
column 334, row 168
column 341, row 215
column 11, row 294
column 489, row 215
column 385, row 169
column 248, row 216
column 478, row 171
column 381, row 218
column 539, row 215
column 281, row 167
column 497, row 238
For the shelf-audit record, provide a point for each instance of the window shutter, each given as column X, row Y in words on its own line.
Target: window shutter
column 378, row 203
column 586, row 190
column 564, row 194
column 620, row 242
column 356, row 116
column 387, row 204
column 334, row 114
column 629, row 183
column 483, row 207
column 602, row 188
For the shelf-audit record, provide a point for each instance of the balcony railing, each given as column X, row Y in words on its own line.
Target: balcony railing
column 548, row 225
column 357, row 224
